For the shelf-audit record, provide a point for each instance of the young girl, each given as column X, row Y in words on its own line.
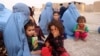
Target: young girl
column 55, row 39
column 81, row 29
column 56, row 18
column 34, row 39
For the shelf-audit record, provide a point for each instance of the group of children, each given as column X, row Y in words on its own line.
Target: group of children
column 53, row 45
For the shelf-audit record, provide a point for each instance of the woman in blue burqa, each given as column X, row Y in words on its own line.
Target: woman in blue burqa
column 4, row 16
column 46, row 17
column 14, row 34
column 69, row 19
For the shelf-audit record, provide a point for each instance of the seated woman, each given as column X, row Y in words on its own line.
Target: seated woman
column 35, row 40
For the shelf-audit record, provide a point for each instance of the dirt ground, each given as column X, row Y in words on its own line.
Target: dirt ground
column 80, row 48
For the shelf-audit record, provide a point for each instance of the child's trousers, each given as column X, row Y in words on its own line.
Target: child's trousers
column 80, row 35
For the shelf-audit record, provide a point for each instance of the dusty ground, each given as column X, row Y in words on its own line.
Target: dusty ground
column 92, row 46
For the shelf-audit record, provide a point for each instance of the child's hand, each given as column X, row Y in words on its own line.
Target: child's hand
column 80, row 30
column 35, row 34
column 56, row 34
column 35, row 44
column 47, row 44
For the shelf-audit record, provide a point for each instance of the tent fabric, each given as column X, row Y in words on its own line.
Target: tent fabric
column 4, row 16
column 46, row 17
column 14, row 35
column 69, row 19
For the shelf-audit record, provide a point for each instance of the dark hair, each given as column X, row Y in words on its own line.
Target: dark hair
column 30, row 23
column 56, row 12
column 81, row 18
column 56, row 24
column 61, row 4
column 31, row 12
column 69, row 3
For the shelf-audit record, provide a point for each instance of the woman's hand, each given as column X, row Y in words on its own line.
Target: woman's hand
column 31, row 18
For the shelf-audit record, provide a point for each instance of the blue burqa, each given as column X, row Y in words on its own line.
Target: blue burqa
column 14, row 35
column 46, row 17
column 69, row 19
column 74, row 11
column 4, row 16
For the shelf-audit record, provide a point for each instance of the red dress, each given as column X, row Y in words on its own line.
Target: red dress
column 46, row 51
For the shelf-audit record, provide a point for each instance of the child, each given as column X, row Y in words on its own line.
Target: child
column 81, row 29
column 33, row 38
column 55, row 39
column 56, row 18
column 46, row 50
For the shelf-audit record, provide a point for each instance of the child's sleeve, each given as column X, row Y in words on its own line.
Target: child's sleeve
column 86, row 29
column 75, row 28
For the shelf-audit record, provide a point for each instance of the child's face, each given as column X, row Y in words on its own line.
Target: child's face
column 55, row 31
column 81, row 22
column 56, row 16
column 30, row 31
column 47, row 44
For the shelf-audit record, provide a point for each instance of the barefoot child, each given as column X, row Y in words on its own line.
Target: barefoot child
column 81, row 29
